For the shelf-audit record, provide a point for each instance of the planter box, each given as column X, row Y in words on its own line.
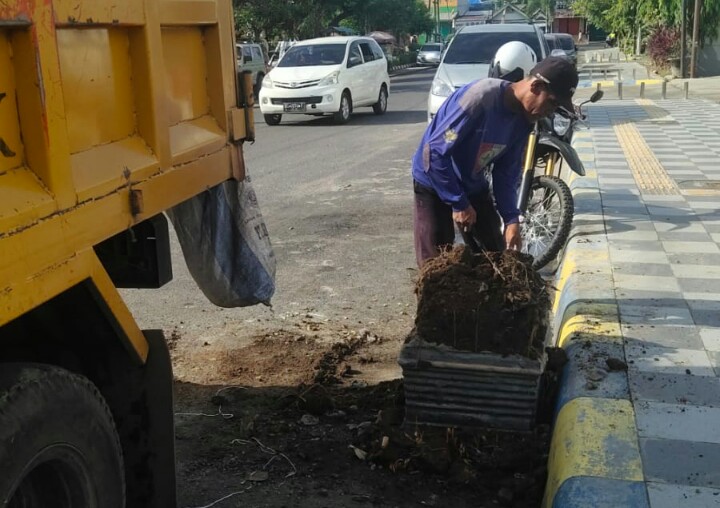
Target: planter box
column 451, row 388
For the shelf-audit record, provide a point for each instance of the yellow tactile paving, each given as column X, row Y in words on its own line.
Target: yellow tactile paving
column 650, row 176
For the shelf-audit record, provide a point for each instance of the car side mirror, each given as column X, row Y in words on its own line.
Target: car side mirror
column 557, row 52
column 354, row 61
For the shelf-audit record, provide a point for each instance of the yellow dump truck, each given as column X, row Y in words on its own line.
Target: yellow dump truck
column 111, row 111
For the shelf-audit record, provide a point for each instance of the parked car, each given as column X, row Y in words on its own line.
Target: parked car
column 551, row 42
column 470, row 52
column 430, row 54
column 250, row 58
column 329, row 75
column 565, row 43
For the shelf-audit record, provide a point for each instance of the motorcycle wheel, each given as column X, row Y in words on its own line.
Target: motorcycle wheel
column 548, row 219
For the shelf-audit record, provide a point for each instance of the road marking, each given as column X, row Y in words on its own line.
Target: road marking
column 650, row 176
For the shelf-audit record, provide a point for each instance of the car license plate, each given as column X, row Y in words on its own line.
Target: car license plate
column 294, row 107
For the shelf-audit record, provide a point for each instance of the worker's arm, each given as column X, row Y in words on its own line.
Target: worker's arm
column 437, row 152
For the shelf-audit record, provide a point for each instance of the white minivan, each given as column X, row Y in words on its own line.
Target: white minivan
column 330, row 75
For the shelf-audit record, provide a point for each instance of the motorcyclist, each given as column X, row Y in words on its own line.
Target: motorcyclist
column 482, row 128
column 610, row 40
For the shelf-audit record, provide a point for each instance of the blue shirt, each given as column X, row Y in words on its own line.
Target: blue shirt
column 474, row 133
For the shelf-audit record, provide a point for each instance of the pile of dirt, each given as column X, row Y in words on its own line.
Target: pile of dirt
column 288, row 358
column 353, row 451
column 493, row 301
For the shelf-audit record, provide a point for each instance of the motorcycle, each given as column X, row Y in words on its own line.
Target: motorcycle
column 545, row 201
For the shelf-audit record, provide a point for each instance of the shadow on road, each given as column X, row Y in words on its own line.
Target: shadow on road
column 362, row 117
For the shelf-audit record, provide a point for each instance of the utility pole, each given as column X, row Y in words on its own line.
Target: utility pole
column 683, row 34
column 695, row 40
column 437, row 20
column 547, row 16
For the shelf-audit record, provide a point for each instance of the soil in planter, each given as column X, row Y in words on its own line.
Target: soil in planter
column 493, row 301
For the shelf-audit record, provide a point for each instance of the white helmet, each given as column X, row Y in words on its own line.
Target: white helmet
column 513, row 57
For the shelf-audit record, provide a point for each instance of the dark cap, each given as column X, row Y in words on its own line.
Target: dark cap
column 561, row 78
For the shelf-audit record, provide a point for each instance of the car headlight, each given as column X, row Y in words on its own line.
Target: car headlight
column 561, row 125
column 440, row 88
column 267, row 82
column 331, row 79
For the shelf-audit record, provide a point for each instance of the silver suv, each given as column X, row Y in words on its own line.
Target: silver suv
column 470, row 52
column 250, row 58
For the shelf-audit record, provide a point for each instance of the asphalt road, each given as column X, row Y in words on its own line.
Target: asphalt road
column 337, row 202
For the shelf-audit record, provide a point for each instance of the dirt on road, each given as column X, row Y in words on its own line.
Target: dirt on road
column 309, row 419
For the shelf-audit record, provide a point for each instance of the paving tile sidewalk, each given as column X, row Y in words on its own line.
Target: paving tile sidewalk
column 659, row 183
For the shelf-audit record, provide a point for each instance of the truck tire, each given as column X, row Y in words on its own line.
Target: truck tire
column 58, row 443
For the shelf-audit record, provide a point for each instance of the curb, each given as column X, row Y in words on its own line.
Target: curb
column 395, row 71
column 594, row 458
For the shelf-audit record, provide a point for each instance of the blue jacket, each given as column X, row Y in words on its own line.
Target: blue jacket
column 472, row 134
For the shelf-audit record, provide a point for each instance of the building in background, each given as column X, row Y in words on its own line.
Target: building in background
column 451, row 15
column 567, row 22
column 508, row 13
column 442, row 12
column 472, row 12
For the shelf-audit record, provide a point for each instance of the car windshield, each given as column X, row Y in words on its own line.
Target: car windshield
column 314, row 54
column 566, row 42
column 430, row 47
column 480, row 48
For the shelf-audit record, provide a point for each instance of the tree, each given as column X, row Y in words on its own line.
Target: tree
column 595, row 11
column 629, row 19
column 255, row 19
column 626, row 17
column 709, row 16
column 310, row 18
column 545, row 6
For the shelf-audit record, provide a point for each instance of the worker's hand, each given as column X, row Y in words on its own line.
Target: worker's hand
column 513, row 240
column 465, row 219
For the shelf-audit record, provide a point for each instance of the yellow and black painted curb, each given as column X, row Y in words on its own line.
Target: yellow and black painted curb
column 594, row 458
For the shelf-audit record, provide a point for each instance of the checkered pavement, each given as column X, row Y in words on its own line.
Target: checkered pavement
column 665, row 256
